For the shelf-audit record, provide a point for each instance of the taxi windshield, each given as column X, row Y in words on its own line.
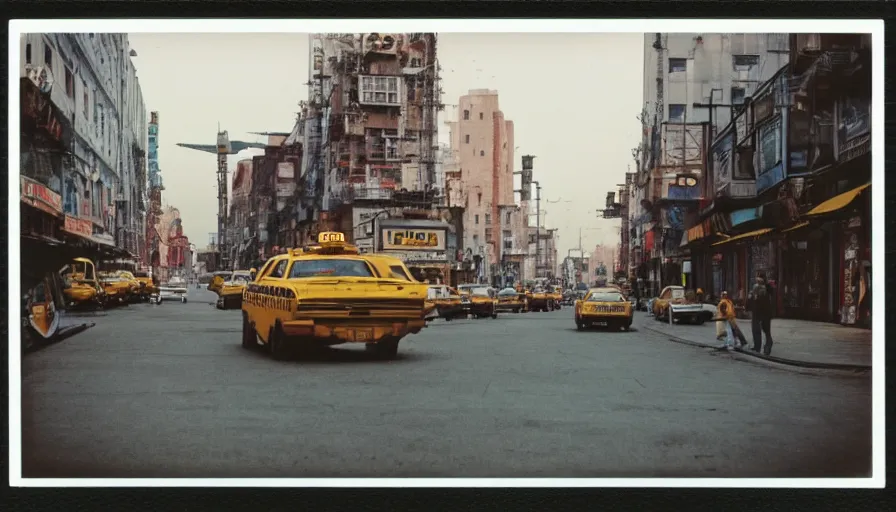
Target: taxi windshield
column 240, row 278
column 303, row 269
column 677, row 293
column 605, row 297
column 507, row 292
column 480, row 291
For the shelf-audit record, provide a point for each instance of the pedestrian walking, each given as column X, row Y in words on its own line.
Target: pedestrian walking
column 760, row 300
column 726, row 324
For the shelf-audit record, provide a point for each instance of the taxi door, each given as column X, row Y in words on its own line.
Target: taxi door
column 263, row 315
column 43, row 316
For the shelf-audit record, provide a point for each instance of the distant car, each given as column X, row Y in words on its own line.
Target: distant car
column 673, row 304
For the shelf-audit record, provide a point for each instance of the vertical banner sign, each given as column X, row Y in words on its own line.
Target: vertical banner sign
column 850, row 278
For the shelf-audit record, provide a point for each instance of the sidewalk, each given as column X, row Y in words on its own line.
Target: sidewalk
column 795, row 341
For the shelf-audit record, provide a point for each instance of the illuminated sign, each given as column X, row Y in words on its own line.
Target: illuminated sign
column 330, row 237
column 78, row 226
column 413, row 239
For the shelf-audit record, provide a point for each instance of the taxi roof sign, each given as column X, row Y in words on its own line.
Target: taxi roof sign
column 329, row 237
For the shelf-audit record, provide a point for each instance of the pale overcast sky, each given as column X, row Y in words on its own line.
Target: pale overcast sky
column 573, row 99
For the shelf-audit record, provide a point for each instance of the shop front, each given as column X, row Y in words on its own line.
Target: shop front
column 804, row 289
column 421, row 244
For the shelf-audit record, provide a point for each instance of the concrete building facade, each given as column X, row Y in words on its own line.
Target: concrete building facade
column 89, row 84
column 683, row 75
column 495, row 225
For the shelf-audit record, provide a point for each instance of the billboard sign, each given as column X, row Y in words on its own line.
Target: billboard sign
column 414, row 239
column 39, row 196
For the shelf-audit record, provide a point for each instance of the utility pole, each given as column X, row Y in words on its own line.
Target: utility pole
column 537, row 226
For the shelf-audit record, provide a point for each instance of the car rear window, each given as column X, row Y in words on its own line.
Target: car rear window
column 606, row 297
column 677, row 293
column 304, row 269
column 141, row 274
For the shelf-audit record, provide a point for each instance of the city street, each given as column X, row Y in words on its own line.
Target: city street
column 167, row 391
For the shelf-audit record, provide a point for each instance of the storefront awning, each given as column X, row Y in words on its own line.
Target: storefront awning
column 795, row 227
column 838, row 202
column 757, row 232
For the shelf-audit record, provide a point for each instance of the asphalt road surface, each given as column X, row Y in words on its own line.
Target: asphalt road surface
column 167, row 391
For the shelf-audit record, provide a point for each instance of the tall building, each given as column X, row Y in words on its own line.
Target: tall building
column 692, row 83
column 83, row 141
column 495, row 226
column 371, row 141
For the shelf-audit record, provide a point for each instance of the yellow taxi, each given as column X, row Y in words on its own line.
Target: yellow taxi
column 135, row 288
column 443, row 301
column 604, row 306
column 81, row 286
column 509, row 300
column 479, row 300
column 230, row 295
column 218, row 279
column 329, row 294
column 555, row 295
column 148, row 286
column 118, row 289
column 540, row 301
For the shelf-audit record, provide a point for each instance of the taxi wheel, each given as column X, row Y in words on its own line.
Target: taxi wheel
column 494, row 314
column 277, row 344
column 384, row 349
column 249, row 336
column 580, row 326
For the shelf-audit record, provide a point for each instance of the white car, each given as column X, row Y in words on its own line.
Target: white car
column 175, row 289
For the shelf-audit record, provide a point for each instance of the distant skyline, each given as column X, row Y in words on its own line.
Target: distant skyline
column 578, row 117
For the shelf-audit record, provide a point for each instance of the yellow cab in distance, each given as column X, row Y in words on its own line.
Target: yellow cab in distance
column 555, row 294
column 329, row 294
column 230, row 296
column 148, row 285
column 445, row 302
column 118, row 289
column 135, row 288
column 509, row 300
column 218, row 279
column 604, row 306
column 82, row 288
column 540, row 301
column 480, row 299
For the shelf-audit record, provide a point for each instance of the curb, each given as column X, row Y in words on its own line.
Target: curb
column 777, row 360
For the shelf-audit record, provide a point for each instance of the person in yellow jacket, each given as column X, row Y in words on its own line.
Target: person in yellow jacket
column 726, row 324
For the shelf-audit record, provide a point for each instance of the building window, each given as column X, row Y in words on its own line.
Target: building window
column 744, row 62
column 488, row 219
column 86, row 107
column 737, row 95
column 508, row 240
column 476, row 219
column 379, row 90
column 28, row 53
column 69, row 84
column 488, row 235
column 102, row 122
column 48, row 57
column 466, row 115
column 467, row 139
column 481, row 152
column 676, row 112
column 475, row 243
column 481, row 116
column 678, row 65
column 508, row 218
